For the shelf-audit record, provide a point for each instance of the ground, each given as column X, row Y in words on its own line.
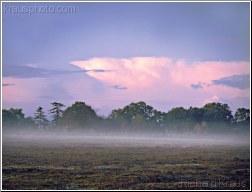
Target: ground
column 40, row 164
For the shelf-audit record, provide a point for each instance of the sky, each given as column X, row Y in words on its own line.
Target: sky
column 111, row 54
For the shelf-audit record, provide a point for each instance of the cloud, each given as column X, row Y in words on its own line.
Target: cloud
column 165, row 79
column 197, row 86
column 141, row 72
column 119, row 87
column 32, row 71
column 7, row 84
column 237, row 81
column 131, row 72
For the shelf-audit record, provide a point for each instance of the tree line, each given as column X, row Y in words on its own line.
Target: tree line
column 134, row 118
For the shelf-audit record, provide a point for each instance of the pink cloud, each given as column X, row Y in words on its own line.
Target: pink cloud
column 146, row 71
column 134, row 72
column 166, row 79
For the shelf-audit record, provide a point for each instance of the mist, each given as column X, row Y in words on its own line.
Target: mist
column 115, row 139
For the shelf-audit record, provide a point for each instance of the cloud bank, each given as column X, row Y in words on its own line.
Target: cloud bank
column 140, row 72
column 237, row 81
column 176, row 82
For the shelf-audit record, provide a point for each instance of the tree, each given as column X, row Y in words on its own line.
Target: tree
column 242, row 114
column 177, row 119
column 217, row 112
column 131, row 111
column 56, row 112
column 40, row 118
column 138, row 121
column 13, row 117
column 159, row 118
column 196, row 114
column 79, row 115
column 117, row 120
column 134, row 113
column 242, row 119
column 137, row 116
column 177, row 114
column 116, row 114
column 116, row 117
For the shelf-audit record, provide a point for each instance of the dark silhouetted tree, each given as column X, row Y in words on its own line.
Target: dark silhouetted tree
column 196, row 114
column 15, row 119
column 56, row 112
column 242, row 119
column 177, row 119
column 217, row 112
column 137, row 116
column 242, row 114
column 40, row 118
column 12, row 117
column 79, row 115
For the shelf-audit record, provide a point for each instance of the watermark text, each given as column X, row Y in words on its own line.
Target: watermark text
column 38, row 9
column 217, row 183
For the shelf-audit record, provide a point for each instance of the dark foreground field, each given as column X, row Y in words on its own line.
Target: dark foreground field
column 97, row 164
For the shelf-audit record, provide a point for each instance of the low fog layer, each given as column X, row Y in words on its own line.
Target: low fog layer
column 181, row 140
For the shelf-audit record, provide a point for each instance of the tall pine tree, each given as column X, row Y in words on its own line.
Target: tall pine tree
column 56, row 112
column 40, row 118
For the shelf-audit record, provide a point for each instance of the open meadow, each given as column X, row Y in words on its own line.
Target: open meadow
column 123, row 163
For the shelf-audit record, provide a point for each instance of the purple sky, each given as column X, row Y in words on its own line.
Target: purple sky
column 111, row 54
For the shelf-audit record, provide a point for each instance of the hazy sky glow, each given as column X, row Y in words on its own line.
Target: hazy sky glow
column 111, row 54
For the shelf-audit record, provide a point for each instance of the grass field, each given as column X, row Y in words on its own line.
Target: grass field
column 41, row 164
